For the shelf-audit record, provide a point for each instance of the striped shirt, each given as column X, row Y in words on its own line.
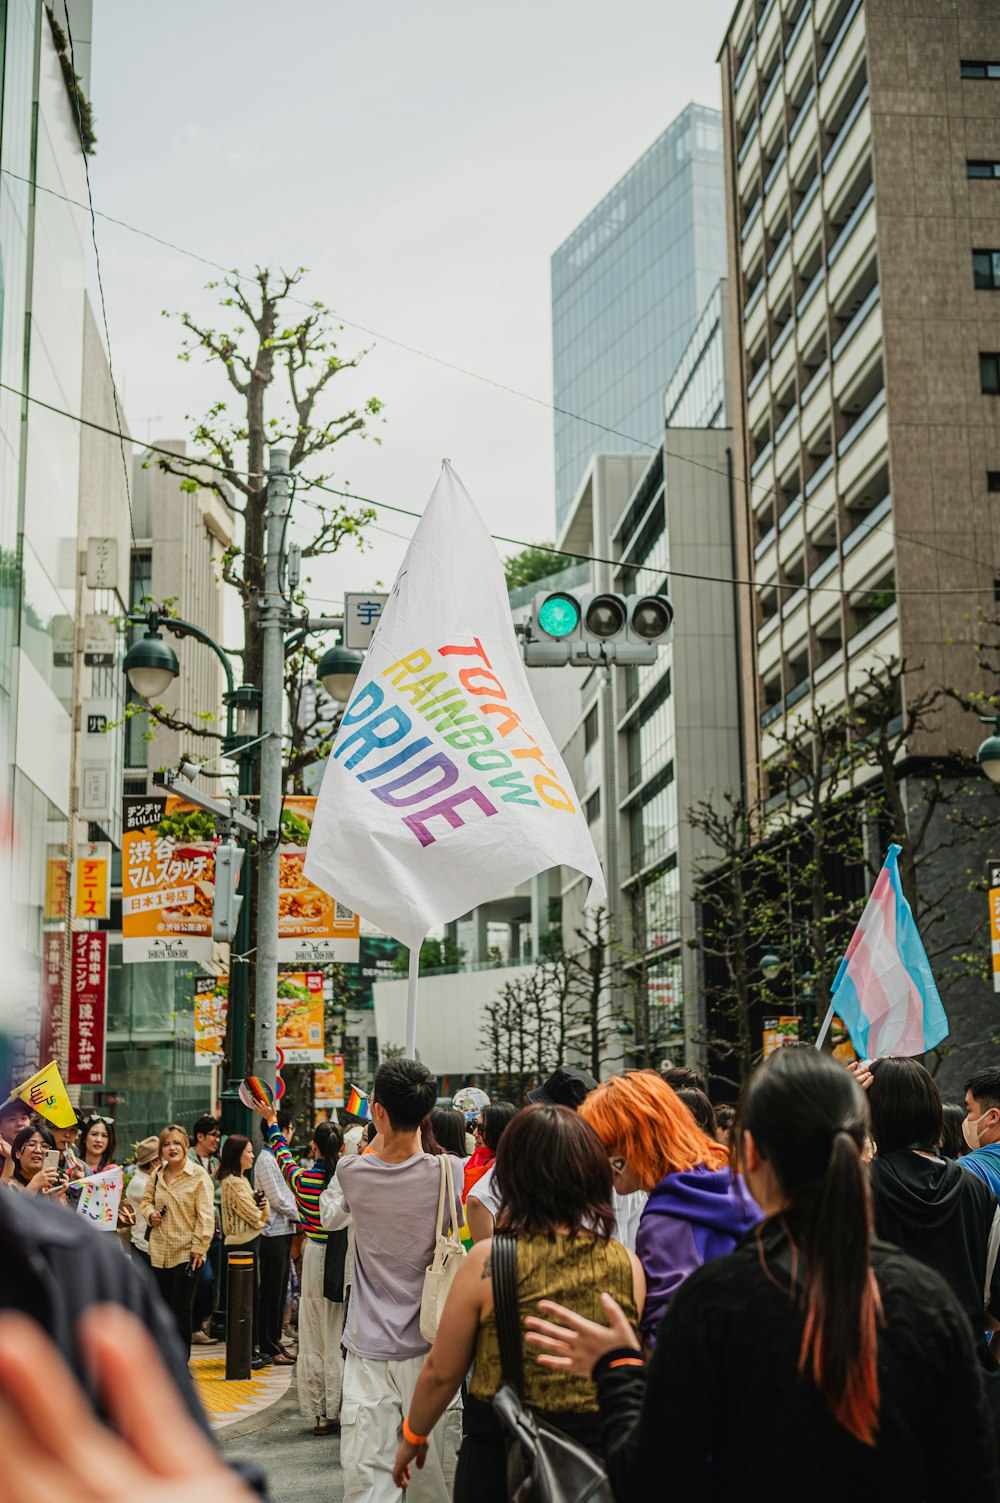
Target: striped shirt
column 307, row 1185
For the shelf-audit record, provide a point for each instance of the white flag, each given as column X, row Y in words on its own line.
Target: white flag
column 444, row 787
column 100, row 1198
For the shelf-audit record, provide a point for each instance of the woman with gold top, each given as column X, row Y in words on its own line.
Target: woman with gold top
column 554, row 1179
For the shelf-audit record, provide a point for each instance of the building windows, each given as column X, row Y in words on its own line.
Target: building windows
column 980, row 70
column 986, row 269
column 592, row 808
column 982, row 169
column 993, row 480
column 590, row 729
column 989, row 374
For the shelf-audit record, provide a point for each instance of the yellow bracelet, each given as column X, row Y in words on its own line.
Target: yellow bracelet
column 411, row 1437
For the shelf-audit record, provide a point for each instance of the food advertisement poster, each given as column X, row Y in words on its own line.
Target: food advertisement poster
column 778, row 1032
column 300, row 1017
column 211, row 1003
column 328, row 1083
column 312, row 926
column 168, row 881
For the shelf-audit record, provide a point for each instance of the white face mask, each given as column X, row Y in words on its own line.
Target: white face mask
column 970, row 1132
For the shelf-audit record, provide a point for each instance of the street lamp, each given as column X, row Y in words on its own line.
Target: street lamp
column 770, row 965
column 150, row 664
column 988, row 755
column 338, row 672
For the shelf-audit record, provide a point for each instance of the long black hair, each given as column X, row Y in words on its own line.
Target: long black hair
column 449, row 1130
column 329, row 1141
column 232, row 1152
column 552, row 1170
column 495, row 1119
column 809, row 1120
column 108, row 1156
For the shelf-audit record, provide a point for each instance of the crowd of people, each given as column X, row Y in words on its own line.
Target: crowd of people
column 825, row 1255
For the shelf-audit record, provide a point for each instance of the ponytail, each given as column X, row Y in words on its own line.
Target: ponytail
column 809, row 1119
column 329, row 1140
column 840, row 1296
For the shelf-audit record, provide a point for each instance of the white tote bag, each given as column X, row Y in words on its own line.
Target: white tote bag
column 448, row 1254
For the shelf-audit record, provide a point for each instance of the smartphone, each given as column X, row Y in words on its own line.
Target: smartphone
column 192, row 1272
column 51, row 1159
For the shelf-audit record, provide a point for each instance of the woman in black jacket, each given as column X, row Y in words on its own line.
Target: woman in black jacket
column 847, row 1365
column 926, row 1204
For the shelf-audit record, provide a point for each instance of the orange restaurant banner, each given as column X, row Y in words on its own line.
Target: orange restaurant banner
column 300, row 1017
column 313, row 927
column 168, row 880
column 328, row 1083
column 211, row 1004
column 56, row 884
column 92, row 881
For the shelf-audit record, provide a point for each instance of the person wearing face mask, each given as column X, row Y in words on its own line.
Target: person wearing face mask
column 981, row 1128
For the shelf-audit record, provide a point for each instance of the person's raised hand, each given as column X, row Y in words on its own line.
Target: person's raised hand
column 861, row 1069
column 45, row 1179
column 55, row 1448
column 574, row 1344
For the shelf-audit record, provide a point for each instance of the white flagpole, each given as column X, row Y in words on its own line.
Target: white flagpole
column 825, row 1027
column 411, row 1004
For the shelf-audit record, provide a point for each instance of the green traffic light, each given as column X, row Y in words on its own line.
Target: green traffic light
column 559, row 615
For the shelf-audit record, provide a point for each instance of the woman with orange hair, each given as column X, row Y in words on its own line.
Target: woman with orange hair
column 698, row 1208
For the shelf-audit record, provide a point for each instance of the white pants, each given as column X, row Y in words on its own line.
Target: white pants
column 319, row 1368
column 377, row 1396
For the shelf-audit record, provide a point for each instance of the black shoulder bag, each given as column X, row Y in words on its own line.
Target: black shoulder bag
column 544, row 1465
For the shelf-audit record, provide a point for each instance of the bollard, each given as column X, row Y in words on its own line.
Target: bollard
column 239, row 1312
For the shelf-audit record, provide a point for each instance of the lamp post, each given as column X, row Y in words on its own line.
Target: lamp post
column 772, row 963
column 988, row 755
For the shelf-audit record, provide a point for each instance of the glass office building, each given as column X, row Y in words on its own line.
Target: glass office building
column 628, row 286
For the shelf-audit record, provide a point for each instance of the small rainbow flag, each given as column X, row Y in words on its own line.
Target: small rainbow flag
column 255, row 1092
column 358, row 1105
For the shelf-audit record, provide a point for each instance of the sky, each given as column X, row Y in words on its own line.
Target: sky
column 423, row 159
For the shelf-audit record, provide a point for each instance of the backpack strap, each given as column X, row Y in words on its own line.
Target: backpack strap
column 505, row 1307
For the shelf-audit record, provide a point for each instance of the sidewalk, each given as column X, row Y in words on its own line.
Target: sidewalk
column 227, row 1403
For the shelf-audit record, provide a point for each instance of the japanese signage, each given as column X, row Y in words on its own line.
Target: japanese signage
column 56, row 881
column 97, row 755
column 328, row 1083
column 87, row 1007
column 994, row 897
column 300, row 1017
column 92, row 881
column 168, row 880
column 312, row 926
column 52, row 994
column 778, row 1032
column 102, row 563
column 99, row 641
column 362, row 613
column 211, row 1004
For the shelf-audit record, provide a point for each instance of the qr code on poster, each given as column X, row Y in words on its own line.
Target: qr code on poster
column 343, row 915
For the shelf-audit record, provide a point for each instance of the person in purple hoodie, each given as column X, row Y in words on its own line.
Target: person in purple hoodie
column 698, row 1207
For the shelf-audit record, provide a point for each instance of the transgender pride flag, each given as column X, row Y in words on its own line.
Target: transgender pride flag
column 884, row 990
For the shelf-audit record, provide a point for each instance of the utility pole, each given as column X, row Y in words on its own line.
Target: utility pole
column 271, row 618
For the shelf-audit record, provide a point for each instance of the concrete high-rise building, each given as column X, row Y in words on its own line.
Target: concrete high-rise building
column 627, row 288
column 652, row 742
column 867, row 419
column 862, row 144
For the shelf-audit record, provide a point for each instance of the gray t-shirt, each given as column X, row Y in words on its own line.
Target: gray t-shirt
column 392, row 1208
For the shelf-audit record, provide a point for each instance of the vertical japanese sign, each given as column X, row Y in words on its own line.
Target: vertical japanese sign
column 994, row 897
column 300, row 1017
column 88, row 1007
column 168, row 880
column 211, row 1004
column 328, row 1083
column 56, row 884
column 313, row 927
column 50, row 1046
column 92, row 881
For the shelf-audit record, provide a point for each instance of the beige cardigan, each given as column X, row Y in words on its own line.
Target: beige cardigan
column 242, row 1218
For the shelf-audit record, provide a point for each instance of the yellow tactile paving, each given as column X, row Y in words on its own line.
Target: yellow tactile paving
column 224, row 1401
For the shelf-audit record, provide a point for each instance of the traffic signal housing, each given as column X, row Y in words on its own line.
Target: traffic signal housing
column 587, row 627
column 228, row 900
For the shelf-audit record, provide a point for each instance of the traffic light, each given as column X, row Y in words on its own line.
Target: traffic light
column 228, row 901
column 590, row 627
